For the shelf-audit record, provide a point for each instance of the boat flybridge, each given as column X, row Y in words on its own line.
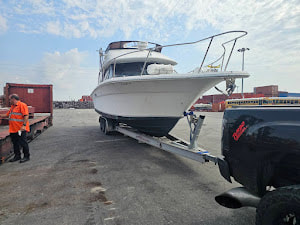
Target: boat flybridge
column 138, row 85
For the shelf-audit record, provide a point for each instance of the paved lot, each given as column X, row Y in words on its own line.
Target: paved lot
column 77, row 175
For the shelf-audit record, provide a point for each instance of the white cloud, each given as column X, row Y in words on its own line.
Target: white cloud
column 21, row 27
column 97, row 18
column 53, row 27
column 35, row 7
column 65, row 71
column 3, row 25
column 85, row 27
column 70, row 30
column 104, row 17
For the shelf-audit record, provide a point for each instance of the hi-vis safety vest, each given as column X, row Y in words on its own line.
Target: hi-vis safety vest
column 16, row 117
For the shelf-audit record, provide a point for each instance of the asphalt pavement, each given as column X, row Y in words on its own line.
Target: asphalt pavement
column 78, row 175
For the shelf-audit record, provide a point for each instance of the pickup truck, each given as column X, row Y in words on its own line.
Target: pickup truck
column 261, row 151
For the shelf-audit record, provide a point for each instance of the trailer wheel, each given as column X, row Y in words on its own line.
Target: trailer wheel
column 107, row 125
column 102, row 124
column 280, row 207
column 105, row 128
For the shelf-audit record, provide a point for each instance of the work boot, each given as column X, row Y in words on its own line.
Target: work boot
column 25, row 159
column 16, row 158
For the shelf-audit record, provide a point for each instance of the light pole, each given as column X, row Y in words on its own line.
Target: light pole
column 243, row 51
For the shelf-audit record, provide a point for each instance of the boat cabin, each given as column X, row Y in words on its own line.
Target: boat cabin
column 127, row 58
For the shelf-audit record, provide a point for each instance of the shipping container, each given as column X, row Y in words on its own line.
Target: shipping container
column 268, row 91
column 283, row 94
column 293, row 95
column 35, row 95
column 86, row 98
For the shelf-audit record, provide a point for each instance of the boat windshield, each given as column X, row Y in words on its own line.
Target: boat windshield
column 126, row 69
column 129, row 69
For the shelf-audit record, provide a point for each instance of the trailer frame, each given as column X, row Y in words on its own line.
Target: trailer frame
column 169, row 142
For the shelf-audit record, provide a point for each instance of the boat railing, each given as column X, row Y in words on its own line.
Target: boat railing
column 160, row 47
column 234, row 40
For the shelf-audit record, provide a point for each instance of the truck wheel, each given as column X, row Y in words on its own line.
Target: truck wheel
column 280, row 207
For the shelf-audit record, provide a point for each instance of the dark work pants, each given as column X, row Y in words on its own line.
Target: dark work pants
column 20, row 141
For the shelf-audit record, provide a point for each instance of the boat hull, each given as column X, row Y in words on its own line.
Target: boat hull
column 154, row 126
column 152, row 101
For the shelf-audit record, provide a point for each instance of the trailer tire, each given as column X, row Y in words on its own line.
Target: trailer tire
column 279, row 207
column 105, row 128
column 102, row 124
column 106, row 125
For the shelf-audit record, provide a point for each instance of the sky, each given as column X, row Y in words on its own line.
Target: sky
column 56, row 42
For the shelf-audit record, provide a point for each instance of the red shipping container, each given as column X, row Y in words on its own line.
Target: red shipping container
column 35, row 95
column 268, row 91
column 86, row 98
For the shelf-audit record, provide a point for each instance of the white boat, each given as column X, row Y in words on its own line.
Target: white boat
column 138, row 85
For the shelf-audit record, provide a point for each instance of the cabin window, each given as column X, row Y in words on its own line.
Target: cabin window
column 130, row 69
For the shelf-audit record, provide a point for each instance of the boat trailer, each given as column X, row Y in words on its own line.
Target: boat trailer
column 234, row 198
column 167, row 143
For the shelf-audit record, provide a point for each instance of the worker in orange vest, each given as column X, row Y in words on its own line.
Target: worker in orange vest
column 18, row 126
